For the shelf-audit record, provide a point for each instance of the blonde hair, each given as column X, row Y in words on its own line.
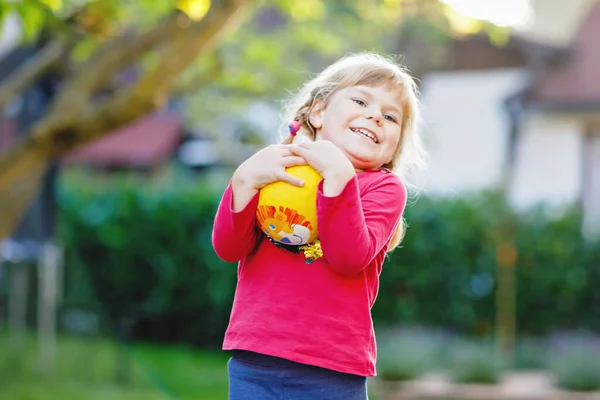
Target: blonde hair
column 366, row 69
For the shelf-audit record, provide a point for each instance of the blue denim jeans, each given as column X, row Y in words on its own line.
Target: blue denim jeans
column 255, row 376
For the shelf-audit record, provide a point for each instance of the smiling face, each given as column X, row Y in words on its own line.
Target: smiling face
column 362, row 121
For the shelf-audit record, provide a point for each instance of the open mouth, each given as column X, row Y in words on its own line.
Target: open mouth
column 365, row 133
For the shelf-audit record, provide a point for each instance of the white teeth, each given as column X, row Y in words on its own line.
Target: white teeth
column 366, row 134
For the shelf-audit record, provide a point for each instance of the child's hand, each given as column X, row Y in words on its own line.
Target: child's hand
column 268, row 165
column 329, row 162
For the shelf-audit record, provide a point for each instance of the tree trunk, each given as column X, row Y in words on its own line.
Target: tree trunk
column 75, row 118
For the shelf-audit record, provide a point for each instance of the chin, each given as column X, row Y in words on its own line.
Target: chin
column 361, row 166
column 360, row 162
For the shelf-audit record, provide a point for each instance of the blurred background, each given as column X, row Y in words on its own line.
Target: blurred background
column 122, row 122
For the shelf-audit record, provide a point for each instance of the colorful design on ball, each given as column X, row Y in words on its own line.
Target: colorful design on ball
column 287, row 213
column 284, row 225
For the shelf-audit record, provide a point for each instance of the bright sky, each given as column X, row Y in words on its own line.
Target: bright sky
column 509, row 13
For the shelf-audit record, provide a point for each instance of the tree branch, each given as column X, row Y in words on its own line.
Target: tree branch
column 19, row 182
column 45, row 59
column 23, row 77
column 112, row 57
column 121, row 52
column 64, row 130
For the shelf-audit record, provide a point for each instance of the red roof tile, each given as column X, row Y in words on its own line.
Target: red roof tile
column 577, row 81
column 146, row 142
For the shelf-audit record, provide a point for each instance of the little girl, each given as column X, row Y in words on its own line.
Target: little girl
column 304, row 331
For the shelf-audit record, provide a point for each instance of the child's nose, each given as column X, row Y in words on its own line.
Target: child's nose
column 374, row 114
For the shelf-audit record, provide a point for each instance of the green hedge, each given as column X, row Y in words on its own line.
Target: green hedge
column 445, row 273
column 143, row 251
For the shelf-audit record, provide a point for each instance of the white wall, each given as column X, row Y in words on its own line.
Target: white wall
column 465, row 131
column 591, row 184
column 557, row 22
column 465, row 128
column 549, row 162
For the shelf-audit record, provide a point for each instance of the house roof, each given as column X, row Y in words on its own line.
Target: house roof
column 144, row 143
column 477, row 52
column 575, row 84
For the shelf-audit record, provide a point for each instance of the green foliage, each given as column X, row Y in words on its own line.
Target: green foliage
column 408, row 354
column 267, row 56
column 530, row 354
column 145, row 252
column 474, row 362
column 32, row 17
column 287, row 40
column 445, row 272
column 270, row 56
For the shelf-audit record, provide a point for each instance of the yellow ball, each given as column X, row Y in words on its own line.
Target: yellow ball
column 288, row 213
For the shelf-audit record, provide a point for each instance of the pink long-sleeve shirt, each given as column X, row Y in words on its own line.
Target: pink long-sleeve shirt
column 320, row 313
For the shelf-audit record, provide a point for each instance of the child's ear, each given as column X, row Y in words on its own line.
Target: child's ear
column 316, row 114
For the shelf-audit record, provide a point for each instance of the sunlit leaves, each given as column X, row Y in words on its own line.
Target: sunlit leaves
column 379, row 11
column 54, row 5
column 310, row 38
column 84, row 49
column 464, row 25
column 498, row 36
column 303, row 10
column 461, row 23
column 195, row 9
column 308, row 9
column 274, row 50
column 100, row 18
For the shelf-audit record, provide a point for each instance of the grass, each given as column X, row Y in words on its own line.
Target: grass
column 87, row 370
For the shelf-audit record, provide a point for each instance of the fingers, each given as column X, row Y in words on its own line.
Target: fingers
column 294, row 149
column 307, row 145
column 287, row 151
column 285, row 177
column 283, row 149
column 300, row 150
column 292, row 160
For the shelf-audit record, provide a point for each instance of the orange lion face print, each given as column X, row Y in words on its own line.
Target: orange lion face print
column 284, row 225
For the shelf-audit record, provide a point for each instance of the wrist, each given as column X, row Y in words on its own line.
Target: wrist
column 341, row 175
column 242, row 193
column 334, row 184
column 241, row 180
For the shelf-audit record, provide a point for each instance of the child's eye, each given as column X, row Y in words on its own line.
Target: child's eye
column 359, row 102
column 389, row 117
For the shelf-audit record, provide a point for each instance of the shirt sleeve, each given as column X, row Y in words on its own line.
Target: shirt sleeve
column 353, row 229
column 234, row 234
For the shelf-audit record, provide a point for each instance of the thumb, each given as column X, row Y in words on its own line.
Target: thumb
column 285, row 177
